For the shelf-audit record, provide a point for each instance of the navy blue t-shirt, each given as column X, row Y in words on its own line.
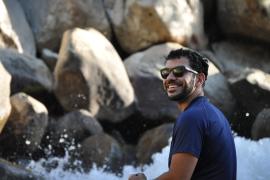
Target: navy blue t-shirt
column 203, row 131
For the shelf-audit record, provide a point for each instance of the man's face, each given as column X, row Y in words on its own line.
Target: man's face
column 179, row 88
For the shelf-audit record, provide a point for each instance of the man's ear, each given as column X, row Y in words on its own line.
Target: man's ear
column 200, row 79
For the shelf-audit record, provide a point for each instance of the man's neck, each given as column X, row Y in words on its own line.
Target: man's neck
column 184, row 104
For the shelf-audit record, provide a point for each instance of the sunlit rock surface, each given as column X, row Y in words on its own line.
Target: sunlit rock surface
column 14, row 29
column 5, row 108
column 140, row 24
column 90, row 75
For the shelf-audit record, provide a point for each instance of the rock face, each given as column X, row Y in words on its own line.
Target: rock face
column 143, row 71
column 101, row 149
column 261, row 126
column 245, row 18
column 29, row 74
column 5, row 107
column 14, row 29
column 25, row 126
column 140, row 24
column 90, row 75
column 49, row 19
column 152, row 142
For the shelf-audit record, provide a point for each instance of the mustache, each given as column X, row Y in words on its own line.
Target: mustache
column 173, row 81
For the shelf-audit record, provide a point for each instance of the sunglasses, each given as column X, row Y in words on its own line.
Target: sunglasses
column 177, row 71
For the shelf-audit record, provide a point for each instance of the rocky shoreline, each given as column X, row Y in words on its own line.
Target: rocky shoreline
column 83, row 76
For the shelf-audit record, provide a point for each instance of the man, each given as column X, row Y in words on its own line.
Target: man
column 202, row 144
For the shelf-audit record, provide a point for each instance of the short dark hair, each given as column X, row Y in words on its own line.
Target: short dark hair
column 197, row 62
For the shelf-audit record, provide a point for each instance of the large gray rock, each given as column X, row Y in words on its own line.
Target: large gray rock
column 101, row 150
column 26, row 125
column 29, row 74
column 236, row 56
column 245, row 18
column 140, row 24
column 5, row 107
column 14, row 29
column 49, row 19
column 90, row 75
column 153, row 141
column 143, row 71
column 261, row 126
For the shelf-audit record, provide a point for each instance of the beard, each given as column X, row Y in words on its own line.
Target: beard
column 186, row 92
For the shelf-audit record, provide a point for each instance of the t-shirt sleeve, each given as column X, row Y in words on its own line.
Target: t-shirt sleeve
column 189, row 134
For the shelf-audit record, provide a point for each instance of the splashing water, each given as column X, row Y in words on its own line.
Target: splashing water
column 253, row 163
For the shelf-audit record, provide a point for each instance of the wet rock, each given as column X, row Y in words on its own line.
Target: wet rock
column 261, row 126
column 103, row 151
column 153, row 141
column 25, row 127
column 73, row 127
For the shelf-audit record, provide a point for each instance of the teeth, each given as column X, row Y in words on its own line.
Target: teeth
column 172, row 86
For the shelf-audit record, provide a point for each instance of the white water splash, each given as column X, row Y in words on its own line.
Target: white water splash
column 253, row 163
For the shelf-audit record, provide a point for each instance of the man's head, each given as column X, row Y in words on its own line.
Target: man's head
column 184, row 74
column 196, row 61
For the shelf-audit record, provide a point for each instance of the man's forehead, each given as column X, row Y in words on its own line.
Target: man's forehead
column 177, row 61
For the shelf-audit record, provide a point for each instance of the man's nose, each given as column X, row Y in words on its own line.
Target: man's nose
column 171, row 76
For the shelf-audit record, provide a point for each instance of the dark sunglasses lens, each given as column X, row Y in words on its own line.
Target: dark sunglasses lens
column 178, row 71
column 164, row 73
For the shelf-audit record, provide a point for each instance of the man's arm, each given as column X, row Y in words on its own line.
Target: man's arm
column 181, row 168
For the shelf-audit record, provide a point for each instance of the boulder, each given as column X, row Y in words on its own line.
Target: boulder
column 101, row 150
column 90, row 75
column 50, row 19
column 261, row 126
column 246, row 18
column 143, row 71
column 29, row 74
column 14, row 29
column 153, row 141
column 140, row 24
column 5, row 107
column 236, row 56
column 73, row 127
column 25, row 126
